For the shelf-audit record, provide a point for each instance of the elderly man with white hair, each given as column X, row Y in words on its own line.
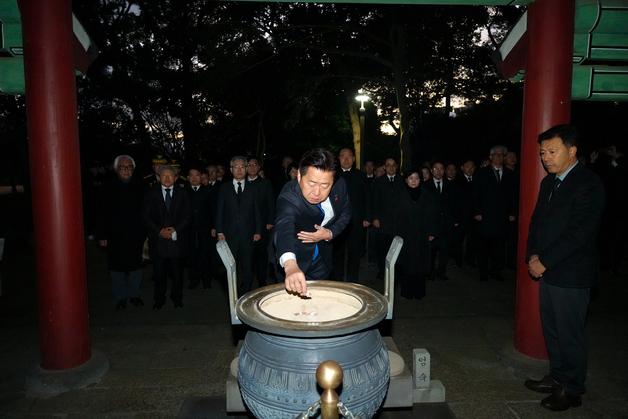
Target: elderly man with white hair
column 120, row 231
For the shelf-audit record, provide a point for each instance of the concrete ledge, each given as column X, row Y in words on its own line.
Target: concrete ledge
column 435, row 393
column 234, row 398
column 234, row 402
column 43, row 383
column 400, row 385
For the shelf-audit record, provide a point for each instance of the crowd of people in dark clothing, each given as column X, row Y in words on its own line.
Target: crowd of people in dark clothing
column 448, row 214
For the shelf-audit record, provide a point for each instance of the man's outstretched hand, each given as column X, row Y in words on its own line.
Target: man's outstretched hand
column 295, row 278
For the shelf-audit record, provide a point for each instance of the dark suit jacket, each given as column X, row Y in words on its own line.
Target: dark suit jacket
column 385, row 195
column 238, row 220
column 265, row 200
column 495, row 201
column 358, row 194
column 466, row 189
column 200, row 209
column 563, row 231
column 212, row 191
column 447, row 206
column 294, row 214
column 156, row 217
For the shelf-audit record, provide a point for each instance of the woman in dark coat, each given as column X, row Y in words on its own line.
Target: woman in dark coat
column 121, row 232
column 418, row 215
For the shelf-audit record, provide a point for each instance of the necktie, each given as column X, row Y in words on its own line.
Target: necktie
column 239, row 188
column 555, row 187
column 168, row 199
column 440, row 190
column 498, row 175
column 322, row 211
column 196, row 189
column 391, row 179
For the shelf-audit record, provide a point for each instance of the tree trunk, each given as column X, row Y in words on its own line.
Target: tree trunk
column 400, row 76
column 358, row 135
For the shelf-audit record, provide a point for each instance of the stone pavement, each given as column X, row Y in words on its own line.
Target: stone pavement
column 169, row 363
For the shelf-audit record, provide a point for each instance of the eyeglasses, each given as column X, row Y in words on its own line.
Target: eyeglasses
column 125, row 167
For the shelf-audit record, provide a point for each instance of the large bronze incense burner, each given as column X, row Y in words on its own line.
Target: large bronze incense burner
column 290, row 337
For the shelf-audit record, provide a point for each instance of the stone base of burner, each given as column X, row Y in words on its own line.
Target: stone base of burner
column 401, row 391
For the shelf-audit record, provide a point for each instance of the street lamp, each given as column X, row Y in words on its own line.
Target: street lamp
column 361, row 97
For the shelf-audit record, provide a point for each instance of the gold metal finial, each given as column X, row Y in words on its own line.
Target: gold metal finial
column 329, row 377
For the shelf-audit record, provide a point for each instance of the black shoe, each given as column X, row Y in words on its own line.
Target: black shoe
column 443, row 277
column 121, row 304
column 137, row 302
column 545, row 385
column 178, row 304
column 559, row 401
column 193, row 285
column 158, row 306
column 483, row 278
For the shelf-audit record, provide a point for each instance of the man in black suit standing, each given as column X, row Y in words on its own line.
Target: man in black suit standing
column 166, row 215
column 468, row 224
column 200, row 227
column 238, row 219
column 562, row 255
column 494, row 211
column 266, row 204
column 213, row 186
column 386, row 192
column 348, row 244
column 448, row 219
column 311, row 211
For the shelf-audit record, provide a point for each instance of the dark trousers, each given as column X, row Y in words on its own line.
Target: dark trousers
column 371, row 244
column 347, row 251
column 260, row 260
column 199, row 260
column 470, row 238
column 491, row 252
column 511, row 245
column 439, row 254
column 563, row 315
column 168, row 267
column 384, row 241
column 242, row 250
column 455, row 247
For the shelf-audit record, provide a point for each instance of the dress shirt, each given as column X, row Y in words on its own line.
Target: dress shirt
column 563, row 175
column 329, row 214
column 501, row 172
column 438, row 183
column 195, row 188
column 235, row 185
column 163, row 193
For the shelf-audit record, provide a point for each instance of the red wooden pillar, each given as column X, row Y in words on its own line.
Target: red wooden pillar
column 547, row 102
column 56, row 183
